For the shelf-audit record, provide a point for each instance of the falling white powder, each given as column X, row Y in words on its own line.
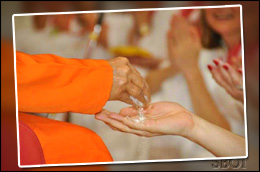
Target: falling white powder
column 136, row 101
column 140, row 109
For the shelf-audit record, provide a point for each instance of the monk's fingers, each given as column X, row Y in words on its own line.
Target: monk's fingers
column 136, row 95
column 134, row 70
column 137, row 80
column 124, row 97
column 140, row 82
column 147, row 94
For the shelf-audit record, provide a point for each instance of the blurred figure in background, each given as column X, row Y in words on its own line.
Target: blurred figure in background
column 192, row 84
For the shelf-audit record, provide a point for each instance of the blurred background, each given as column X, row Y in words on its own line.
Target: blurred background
column 142, row 32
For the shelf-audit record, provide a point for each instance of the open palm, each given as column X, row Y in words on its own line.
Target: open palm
column 162, row 118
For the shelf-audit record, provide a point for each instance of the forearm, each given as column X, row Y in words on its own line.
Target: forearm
column 202, row 102
column 155, row 78
column 170, row 72
column 218, row 141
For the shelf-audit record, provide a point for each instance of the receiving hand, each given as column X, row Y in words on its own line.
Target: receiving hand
column 229, row 78
column 127, row 82
column 162, row 118
column 183, row 44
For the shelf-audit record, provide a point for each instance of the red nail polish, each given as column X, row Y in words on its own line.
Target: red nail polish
column 210, row 67
column 216, row 62
column 225, row 67
column 240, row 71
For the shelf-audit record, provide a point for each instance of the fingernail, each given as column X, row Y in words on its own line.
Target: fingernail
column 240, row 71
column 146, row 98
column 216, row 62
column 210, row 67
column 225, row 67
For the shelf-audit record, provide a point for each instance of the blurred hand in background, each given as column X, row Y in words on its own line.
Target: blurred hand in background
column 229, row 77
column 184, row 44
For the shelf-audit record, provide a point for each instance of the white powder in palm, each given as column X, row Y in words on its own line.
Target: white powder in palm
column 140, row 109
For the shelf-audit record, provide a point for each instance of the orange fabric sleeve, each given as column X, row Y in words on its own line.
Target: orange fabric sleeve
column 53, row 84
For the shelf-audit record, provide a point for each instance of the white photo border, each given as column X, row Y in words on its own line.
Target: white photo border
column 139, row 161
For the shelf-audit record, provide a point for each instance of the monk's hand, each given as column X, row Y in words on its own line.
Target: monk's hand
column 127, row 82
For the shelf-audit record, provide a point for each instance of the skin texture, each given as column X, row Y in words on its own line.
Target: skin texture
column 127, row 82
column 167, row 118
column 184, row 46
column 228, row 77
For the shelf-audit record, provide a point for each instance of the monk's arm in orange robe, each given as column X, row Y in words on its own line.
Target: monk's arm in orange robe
column 49, row 83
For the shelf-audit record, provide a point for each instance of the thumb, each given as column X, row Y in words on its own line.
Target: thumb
column 101, row 114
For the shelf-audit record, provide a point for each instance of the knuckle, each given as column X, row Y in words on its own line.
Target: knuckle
column 142, row 83
column 122, row 82
column 136, row 92
column 123, row 60
column 125, row 70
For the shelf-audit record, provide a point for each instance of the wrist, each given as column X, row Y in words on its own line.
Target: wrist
column 190, row 71
column 191, row 131
column 199, row 132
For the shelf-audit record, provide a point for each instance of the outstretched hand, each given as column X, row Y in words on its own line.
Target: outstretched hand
column 162, row 118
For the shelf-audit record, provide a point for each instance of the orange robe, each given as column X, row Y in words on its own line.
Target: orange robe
column 49, row 83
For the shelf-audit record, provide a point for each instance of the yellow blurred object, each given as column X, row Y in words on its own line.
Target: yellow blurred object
column 130, row 51
column 144, row 29
column 93, row 36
